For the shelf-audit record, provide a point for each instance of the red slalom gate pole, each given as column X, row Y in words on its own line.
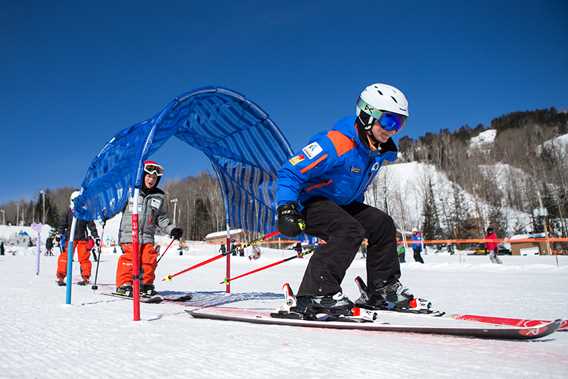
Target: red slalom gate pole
column 135, row 259
column 219, row 256
column 267, row 266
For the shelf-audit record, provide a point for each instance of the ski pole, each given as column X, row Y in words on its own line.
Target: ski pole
column 94, row 287
column 228, row 280
column 165, row 251
column 203, row 263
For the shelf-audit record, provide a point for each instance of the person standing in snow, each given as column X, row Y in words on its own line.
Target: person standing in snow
column 417, row 245
column 492, row 246
column 321, row 192
column 152, row 216
column 401, row 250
column 80, row 243
column 49, row 245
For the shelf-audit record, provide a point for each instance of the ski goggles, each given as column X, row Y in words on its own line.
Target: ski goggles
column 154, row 169
column 387, row 120
column 391, row 121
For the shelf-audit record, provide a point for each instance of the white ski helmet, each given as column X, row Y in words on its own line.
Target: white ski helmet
column 378, row 98
column 73, row 196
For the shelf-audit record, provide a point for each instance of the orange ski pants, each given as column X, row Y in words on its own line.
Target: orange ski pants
column 148, row 260
column 84, row 261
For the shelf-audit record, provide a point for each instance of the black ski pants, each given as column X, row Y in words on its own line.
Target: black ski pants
column 417, row 256
column 344, row 228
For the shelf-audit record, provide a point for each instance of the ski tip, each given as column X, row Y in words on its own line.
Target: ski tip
column 540, row 330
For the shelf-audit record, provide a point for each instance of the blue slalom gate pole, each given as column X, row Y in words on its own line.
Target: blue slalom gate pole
column 70, row 260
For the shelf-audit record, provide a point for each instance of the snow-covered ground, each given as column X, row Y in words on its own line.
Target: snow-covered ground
column 484, row 138
column 405, row 185
column 559, row 144
column 41, row 337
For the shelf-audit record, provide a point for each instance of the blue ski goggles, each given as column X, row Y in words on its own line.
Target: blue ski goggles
column 387, row 120
column 391, row 121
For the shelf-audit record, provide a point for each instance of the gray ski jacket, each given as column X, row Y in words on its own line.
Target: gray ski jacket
column 152, row 216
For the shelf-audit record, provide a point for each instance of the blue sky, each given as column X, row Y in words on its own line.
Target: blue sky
column 73, row 73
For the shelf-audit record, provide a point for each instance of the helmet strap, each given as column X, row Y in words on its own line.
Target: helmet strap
column 373, row 143
column 365, row 133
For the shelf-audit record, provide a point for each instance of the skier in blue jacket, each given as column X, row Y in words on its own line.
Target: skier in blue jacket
column 321, row 192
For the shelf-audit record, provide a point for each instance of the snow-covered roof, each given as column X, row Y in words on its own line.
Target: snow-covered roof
column 222, row 234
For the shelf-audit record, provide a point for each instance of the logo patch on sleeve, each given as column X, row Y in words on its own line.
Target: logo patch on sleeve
column 312, row 150
column 155, row 203
column 297, row 159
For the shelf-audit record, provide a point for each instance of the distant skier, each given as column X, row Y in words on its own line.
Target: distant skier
column 492, row 247
column 80, row 243
column 152, row 216
column 49, row 245
column 321, row 191
column 417, row 245
column 401, row 250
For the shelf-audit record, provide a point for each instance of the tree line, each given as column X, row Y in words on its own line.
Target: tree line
column 533, row 173
column 517, row 172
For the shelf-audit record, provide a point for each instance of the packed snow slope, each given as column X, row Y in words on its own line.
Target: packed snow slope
column 96, row 337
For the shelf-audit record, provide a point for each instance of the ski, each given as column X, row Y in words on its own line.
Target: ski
column 508, row 321
column 177, row 298
column 155, row 299
column 373, row 320
column 402, row 323
column 494, row 320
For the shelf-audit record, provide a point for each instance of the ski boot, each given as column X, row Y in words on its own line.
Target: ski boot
column 147, row 290
column 391, row 297
column 83, row 282
column 60, row 282
column 313, row 307
column 334, row 306
column 124, row 290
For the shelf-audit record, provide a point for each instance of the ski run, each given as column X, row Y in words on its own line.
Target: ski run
column 95, row 336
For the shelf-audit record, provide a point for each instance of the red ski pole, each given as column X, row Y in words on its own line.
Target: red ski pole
column 309, row 251
column 165, row 251
column 203, row 263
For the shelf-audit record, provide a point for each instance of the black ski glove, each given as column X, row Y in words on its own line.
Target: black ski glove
column 290, row 220
column 176, row 233
column 389, row 150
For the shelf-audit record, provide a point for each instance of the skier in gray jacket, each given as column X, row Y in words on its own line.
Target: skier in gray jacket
column 152, row 211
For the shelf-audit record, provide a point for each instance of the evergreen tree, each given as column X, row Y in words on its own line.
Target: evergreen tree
column 496, row 218
column 431, row 224
column 51, row 212
column 459, row 213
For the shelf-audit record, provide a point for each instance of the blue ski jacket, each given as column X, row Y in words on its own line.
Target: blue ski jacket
column 335, row 165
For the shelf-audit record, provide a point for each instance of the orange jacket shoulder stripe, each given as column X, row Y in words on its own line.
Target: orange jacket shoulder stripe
column 341, row 142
